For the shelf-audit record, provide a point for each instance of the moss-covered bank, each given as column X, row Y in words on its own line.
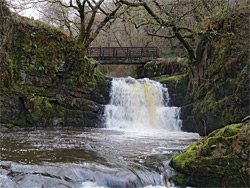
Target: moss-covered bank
column 165, row 66
column 46, row 80
column 177, row 87
column 213, row 92
column 219, row 86
column 170, row 72
column 220, row 159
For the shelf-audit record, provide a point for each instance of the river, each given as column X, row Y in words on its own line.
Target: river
column 142, row 133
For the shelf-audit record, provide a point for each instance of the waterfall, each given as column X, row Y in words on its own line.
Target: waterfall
column 140, row 104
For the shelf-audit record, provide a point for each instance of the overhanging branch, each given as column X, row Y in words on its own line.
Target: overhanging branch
column 161, row 36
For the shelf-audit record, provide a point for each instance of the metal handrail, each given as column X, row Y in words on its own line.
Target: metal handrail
column 121, row 52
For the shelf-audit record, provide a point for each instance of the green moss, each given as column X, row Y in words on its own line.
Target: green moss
column 7, row 74
column 81, row 72
column 218, row 87
column 98, row 86
column 176, row 83
column 177, row 86
column 181, row 179
column 211, row 161
column 231, row 130
column 215, row 107
column 161, row 78
column 37, row 48
column 201, row 92
column 44, row 111
column 220, row 103
column 33, row 90
column 182, row 161
column 172, row 56
column 201, row 106
column 41, row 63
column 7, row 126
column 166, row 79
column 220, row 60
column 162, row 66
column 38, row 105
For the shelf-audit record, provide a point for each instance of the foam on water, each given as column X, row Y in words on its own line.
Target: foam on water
column 142, row 133
column 90, row 184
column 141, row 106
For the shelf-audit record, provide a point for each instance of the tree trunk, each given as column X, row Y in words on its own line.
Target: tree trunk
column 81, row 36
column 186, row 44
column 201, row 48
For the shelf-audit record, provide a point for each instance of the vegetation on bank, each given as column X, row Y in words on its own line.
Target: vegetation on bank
column 165, row 66
column 214, row 92
column 217, row 160
column 219, row 86
column 46, row 80
column 214, row 97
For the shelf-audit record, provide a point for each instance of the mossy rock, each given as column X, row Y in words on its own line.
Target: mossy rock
column 178, row 177
column 177, row 87
column 45, row 75
column 218, row 87
column 217, row 160
column 101, row 87
column 162, row 66
column 7, row 127
column 44, row 111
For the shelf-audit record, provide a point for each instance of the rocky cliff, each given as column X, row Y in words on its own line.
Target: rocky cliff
column 215, row 92
column 214, row 96
column 219, row 86
column 46, row 80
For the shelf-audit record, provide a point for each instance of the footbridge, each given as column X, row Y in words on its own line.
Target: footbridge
column 122, row 55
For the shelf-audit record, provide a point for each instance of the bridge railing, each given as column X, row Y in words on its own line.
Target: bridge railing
column 122, row 52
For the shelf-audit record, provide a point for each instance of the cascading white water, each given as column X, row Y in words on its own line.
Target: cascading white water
column 140, row 104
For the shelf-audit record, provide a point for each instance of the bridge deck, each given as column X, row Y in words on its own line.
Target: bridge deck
column 123, row 61
column 122, row 55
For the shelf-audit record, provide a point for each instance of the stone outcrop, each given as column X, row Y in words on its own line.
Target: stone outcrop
column 218, row 87
column 220, row 159
column 217, row 95
column 215, row 92
column 46, row 80
column 165, row 66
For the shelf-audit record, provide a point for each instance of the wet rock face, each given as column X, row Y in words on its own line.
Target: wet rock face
column 219, row 159
column 215, row 91
column 46, row 80
column 162, row 66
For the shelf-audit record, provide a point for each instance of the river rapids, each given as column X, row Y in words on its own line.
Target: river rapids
column 142, row 133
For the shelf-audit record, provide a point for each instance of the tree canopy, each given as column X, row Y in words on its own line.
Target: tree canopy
column 86, row 17
column 190, row 22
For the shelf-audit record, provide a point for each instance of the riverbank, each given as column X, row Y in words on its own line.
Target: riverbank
column 220, row 159
column 46, row 80
column 76, row 157
column 213, row 93
column 214, row 96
